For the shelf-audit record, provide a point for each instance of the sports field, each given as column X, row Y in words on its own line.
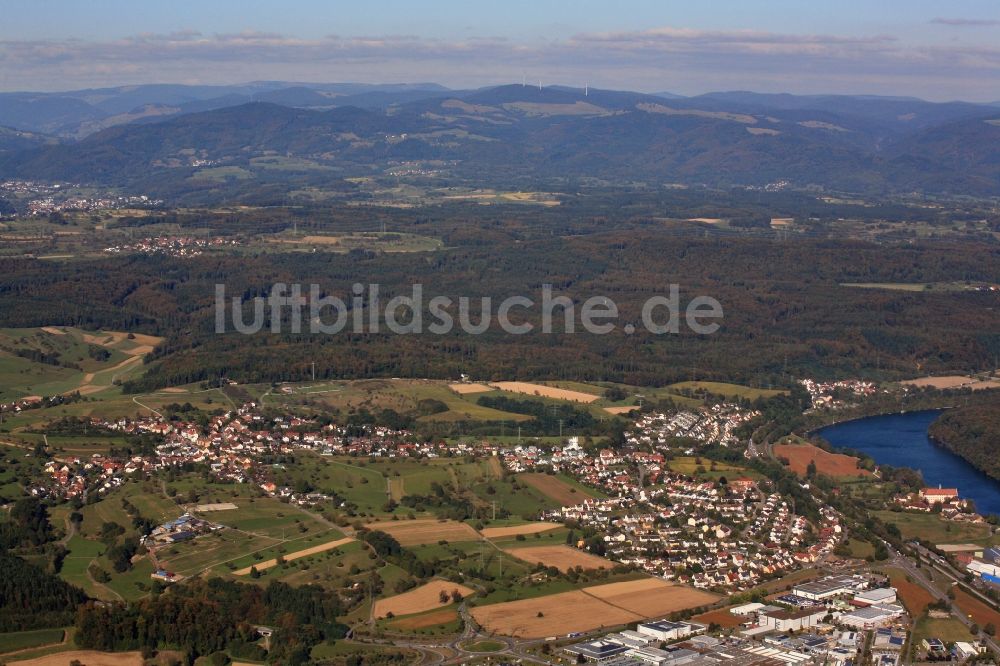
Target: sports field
column 561, row 557
column 419, row 532
column 423, row 598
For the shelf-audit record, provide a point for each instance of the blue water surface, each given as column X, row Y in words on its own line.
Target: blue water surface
column 901, row 440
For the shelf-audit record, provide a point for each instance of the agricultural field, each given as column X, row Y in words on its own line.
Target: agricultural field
column 341, row 651
column 836, row 465
column 330, row 569
column 80, row 553
column 442, row 621
column 589, row 608
column 406, row 396
column 914, row 597
column 700, row 467
column 651, row 597
column 555, row 614
column 368, row 240
column 268, row 517
column 562, row 489
column 932, row 528
column 514, row 530
column 979, row 611
column 87, row 657
column 952, row 382
column 721, row 617
column 146, row 496
column 949, row 630
column 420, row 599
column 22, row 640
column 466, row 389
column 295, row 555
column 420, row 532
column 732, row 391
column 56, row 360
column 515, row 496
column 561, row 557
column 545, row 391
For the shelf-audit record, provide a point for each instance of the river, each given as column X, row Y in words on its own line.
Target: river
column 901, row 440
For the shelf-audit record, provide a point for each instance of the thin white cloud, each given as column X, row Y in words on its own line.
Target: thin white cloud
column 663, row 58
column 965, row 22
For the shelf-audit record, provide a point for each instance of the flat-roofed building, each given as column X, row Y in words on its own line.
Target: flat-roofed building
column 600, row 650
column 665, row 630
column 829, row 587
column 879, row 595
column 792, row 620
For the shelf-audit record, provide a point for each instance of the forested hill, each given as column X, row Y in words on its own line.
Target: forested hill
column 973, row 432
column 515, row 134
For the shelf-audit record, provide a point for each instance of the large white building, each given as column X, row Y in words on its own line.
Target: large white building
column 792, row 620
column 871, row 617
column 829, row 587
column 669, row 631
column 879, row 595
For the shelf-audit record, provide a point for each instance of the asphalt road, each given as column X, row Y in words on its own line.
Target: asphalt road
column 906, row 564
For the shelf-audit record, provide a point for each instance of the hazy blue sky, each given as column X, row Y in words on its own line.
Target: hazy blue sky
column 936, row 49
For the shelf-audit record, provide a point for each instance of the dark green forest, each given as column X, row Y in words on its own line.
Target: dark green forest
column 973, row 432
column 206, row 616
column 785, row 311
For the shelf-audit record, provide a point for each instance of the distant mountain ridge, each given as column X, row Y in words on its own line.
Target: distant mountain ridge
column 512, row 134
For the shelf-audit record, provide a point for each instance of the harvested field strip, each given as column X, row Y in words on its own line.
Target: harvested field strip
column 721, row 617
column 425, row 620
column 650, row 597
column 561, row 557
column 419, row 532
column 836, row 465
column 424, row 598
column 980, row 612
column 496, row 467
column 465, row 389
column 555, row 488
column 88, row 657
column 322, row 548
column 914, row 597
column 555, row 614
column 514, row 530
column 545, row 391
